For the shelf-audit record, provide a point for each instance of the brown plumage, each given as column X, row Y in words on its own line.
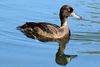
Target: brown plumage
column 44, row 31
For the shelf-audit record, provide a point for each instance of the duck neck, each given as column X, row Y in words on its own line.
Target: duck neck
column 64, row 22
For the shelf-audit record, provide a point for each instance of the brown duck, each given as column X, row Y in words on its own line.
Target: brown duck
column 44, row 31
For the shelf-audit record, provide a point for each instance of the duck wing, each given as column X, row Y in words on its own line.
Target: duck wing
column 48, row 28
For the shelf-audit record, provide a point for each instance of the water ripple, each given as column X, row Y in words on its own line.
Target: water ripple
column 86, row 36
column 90, row 52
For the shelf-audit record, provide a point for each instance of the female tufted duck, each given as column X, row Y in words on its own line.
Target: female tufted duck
column 50, row 32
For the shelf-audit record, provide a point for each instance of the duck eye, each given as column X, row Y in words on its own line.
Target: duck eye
column 68, row 9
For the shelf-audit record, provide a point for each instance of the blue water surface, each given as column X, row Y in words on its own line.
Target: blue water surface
column 16, row 50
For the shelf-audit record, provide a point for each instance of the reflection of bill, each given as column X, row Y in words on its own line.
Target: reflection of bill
column 63, row 59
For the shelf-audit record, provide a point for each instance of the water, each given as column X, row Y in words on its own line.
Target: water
column 16, row 50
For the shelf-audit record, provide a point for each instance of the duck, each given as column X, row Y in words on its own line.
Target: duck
column 44, row 31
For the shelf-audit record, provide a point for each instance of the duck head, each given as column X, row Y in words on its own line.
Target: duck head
column 67, row 11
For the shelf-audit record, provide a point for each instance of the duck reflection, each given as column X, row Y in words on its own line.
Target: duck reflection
column 61, row 58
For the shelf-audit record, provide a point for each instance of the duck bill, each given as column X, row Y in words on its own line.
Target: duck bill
column 76, row 16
